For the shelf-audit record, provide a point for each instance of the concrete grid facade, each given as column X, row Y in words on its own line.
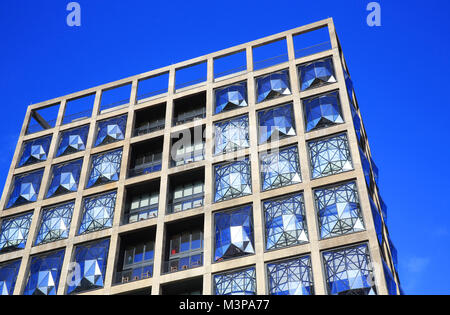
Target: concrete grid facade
column 314, row 248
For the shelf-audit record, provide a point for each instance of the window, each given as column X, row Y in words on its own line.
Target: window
column 285, row 222
column 98, row 213
column 65, row 178
column 188, row 196
column 338, row 210
column 14, row 232
column 322, row 111
column 35, row 151
column 143, row 207
column 185, row 251
column 138, row 262
column 111, row 130
column 317, row 73
column 231, row 97
column 8, row 276
column 234, row 233
column 330, row 156
column 55, row 223
column 105, row 168
column 272, row 86
column 25, row 188
column 43, row 278
column 232, row 180
column 73, row 140
column 349, row 272
column 92, row 259
column 242, row 282
column 292, row 277
column 280, row 168
column 188, row 153
column 276, row 123
column 231, row 135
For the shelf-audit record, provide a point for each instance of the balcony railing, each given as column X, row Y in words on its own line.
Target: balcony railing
column 190, row 116
column 134, row 274
column 183, row 263
column 154, row 126
column 145, row 213
column 185, row 204
column 147, row 168
column 188, row 158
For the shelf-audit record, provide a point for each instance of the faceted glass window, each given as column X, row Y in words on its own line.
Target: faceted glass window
column 390, row 282
column 55, row 223
column 357, row 124
column 35, row 151
column 65, row 178
column 394, row 253
column 8, row 277
column 285, row 222
column 349, row 271
column 98, row 213
column 232, row 180
column 14, row 232
column 338, row 210
column 111, row 130
column 242, row 282
column 292, row 277
column 272, row 86
column 73, row 140
column 234, row 233
column 366, row 168
column 25, row 188
column 45, row 271
column 91, row 259
column 330, row 156
column 377, row 221
column 231, row 135
column 276, row 123
column 280, row 168
column 105, row 168
column 231, row 97
column 316, row 74
column 323, row 111
column 349, row 84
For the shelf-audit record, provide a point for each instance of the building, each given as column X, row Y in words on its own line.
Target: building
column 274, row 193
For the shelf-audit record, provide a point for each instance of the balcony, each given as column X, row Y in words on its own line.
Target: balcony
column 150, row 120
column 142, row 202
column 189, row 108
column 146, row 157
column 186, row 191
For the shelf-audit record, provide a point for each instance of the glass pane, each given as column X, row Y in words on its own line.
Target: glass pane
column 145, row 200
column 187, row 205
column 178, row 193
column 175, row 247
column 198, row 188
column 196, row 241
column 184, row 263
column 185, row 242
column 154, row 199
column 138, row 256
column 188, row 190
column 197, row 203
column 129, row 256
column 149, row 252
column 177, row 207
column 133, row 218
column 135, row 203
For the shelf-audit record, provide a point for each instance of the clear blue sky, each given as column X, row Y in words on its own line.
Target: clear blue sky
column 400, row 71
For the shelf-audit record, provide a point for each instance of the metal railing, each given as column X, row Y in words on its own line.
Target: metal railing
column 142, row 214
column 194, row 201
column 134, row 274
column 188, row 158
column 145, row 169
column 148, row 129
column 314, row 49
column 183, row 263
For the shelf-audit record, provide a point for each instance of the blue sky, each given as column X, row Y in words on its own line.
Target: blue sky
column 400, row 71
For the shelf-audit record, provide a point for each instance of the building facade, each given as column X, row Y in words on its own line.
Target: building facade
column 254, row 180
